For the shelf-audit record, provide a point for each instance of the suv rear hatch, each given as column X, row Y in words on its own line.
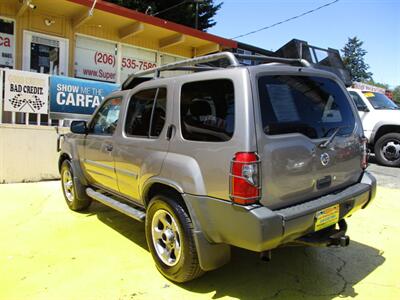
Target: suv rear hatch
column 310, row 140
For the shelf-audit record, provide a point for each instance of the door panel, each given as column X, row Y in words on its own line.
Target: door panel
column 142, row 147
column 98, row 159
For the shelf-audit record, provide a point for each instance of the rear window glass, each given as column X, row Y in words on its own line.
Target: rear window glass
column 208, row 110
column 313, row 106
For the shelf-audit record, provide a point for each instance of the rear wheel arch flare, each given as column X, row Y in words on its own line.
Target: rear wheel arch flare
column 163, row 189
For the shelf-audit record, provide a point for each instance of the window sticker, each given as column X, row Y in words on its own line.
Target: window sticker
column 282, row 103
column 368, row 95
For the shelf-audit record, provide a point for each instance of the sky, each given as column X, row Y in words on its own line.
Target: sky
column 375, row 22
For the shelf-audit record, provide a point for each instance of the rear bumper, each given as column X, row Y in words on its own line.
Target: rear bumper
column 258, row 228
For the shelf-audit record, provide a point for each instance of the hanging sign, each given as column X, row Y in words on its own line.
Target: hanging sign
column 26, row 92
column 73, row 98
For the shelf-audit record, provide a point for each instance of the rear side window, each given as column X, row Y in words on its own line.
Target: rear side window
column 208, row 110
column 313, row 106
column 146, row 113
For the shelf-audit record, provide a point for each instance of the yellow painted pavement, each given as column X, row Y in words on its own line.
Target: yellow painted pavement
column 49, row 252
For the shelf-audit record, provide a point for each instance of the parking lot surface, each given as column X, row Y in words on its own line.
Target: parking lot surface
column 49, row 252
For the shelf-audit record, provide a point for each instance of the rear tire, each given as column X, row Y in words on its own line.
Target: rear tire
column 387, row 150
column 72, row 190
column 170, row 238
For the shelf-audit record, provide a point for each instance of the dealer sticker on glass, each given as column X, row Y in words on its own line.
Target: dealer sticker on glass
column 326, row 217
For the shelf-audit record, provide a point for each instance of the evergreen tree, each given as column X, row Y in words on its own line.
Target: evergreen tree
column 353, row 59
column 181, row 12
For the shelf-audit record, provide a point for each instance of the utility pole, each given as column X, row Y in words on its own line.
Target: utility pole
column 196, row 23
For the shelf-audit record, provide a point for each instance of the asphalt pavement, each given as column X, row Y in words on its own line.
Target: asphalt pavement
column 50, row 252
column 386, row 176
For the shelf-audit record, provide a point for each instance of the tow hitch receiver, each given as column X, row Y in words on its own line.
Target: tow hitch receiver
column 327, row 237
column 342, row 241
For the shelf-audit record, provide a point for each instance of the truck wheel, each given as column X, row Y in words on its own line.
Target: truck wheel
column 72, row 190
column 387, row 150
column 169, row 234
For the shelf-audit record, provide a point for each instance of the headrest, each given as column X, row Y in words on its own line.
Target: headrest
column 200, row 108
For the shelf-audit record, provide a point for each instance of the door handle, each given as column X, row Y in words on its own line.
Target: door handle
column 170, row 132
column 109, row 147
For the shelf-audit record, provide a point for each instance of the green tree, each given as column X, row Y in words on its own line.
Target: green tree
column 396, row 94
column 353, row 59
column 178, row 11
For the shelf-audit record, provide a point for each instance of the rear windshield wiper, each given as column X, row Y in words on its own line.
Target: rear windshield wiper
column 328, row 141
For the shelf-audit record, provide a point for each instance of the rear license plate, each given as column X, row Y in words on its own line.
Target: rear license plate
column 326, row 217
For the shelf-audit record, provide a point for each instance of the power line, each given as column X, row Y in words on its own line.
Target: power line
column 287, row 20
column 171, row 7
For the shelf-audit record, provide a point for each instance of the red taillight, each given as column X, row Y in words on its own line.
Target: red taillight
column 364, row 158
column 245, row 178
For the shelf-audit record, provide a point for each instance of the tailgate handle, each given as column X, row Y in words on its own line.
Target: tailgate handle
column 324, row 182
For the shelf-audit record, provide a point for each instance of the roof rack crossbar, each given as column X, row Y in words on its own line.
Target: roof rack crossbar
column 195, row 68
column 233, row 62
column 265, row 58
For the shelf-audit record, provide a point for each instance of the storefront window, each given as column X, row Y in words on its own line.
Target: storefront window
column 7, row 43
column 168, row 59
column 45, row 54
column 136, row 60
column 95, row 59
column 45, row 57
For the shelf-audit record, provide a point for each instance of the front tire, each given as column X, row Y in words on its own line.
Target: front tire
column 72, row 190
column 170, row 238
column 387, row 150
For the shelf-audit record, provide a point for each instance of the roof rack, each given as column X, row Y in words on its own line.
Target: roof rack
column 269, row 59
column 197, row 64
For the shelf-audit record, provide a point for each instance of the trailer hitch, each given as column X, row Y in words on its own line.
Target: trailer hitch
column 326, row 237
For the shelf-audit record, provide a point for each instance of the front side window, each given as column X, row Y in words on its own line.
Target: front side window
column 313, row 106
column 106, row 119
column 146, row 113
column 208, row 110
column 358, row 101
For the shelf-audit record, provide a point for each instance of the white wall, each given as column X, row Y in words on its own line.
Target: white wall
column 28, row 153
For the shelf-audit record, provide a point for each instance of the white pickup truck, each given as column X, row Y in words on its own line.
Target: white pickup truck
column 380, row 117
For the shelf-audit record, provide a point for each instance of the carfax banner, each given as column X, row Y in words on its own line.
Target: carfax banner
column 72, row 98
column 26, row 92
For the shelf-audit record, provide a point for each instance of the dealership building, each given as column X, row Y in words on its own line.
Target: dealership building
column 93, row 40
column 60, row 58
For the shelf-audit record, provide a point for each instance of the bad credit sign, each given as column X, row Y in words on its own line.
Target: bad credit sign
column 25, row 92
column 72, row 98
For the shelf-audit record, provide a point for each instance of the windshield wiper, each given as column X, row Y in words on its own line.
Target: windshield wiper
column 328, row 141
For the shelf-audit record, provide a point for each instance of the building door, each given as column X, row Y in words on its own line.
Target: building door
column 45, row 54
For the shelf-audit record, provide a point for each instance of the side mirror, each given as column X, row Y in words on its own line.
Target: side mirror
column 79, row 127
column 364, row 108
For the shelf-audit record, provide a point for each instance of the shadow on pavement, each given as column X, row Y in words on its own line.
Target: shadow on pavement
column 293, row 273
column 126, row 226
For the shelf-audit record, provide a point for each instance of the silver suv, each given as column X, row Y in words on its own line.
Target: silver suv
column 248, row 156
